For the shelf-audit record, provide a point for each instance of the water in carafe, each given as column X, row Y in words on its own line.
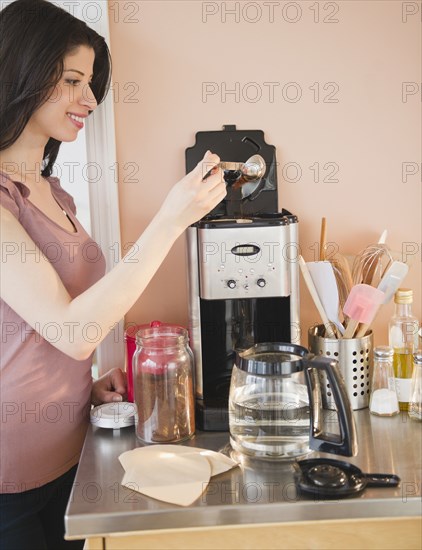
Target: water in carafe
column 270, row 420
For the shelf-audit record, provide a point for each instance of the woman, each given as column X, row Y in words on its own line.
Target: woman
column 54, row 71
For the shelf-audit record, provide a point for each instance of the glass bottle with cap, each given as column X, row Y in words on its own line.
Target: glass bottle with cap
column 403, row 338
column 383, row 400
column 415, row 403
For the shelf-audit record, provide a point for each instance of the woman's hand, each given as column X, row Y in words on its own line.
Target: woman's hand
column 109, row 388
column 193, row 197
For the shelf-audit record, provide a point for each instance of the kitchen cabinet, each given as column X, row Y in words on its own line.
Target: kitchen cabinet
column 255, row 505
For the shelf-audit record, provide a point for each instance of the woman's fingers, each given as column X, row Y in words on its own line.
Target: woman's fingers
column 208, row 165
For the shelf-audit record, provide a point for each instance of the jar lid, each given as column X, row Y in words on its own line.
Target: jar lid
column 271, row 359
column 383, row 352
column 116, row 415
column 403, row 296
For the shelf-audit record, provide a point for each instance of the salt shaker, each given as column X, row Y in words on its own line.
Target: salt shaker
column 383, row 400
column 415, row 403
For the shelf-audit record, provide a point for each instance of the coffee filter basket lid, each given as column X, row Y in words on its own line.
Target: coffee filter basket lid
column 272, row 359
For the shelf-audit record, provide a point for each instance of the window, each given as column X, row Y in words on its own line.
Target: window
column 80, row 164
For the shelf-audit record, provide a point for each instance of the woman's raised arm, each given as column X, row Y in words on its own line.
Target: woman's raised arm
column 32, row 288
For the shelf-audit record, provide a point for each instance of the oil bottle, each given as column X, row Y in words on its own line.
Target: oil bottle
column 403, row 338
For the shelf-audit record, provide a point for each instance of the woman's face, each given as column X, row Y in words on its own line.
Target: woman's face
column 63, row 114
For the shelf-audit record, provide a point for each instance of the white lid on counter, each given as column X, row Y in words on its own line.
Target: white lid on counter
column 114, row 415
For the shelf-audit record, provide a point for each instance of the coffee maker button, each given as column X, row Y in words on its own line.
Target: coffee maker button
column 231, row 283
column 261, row 282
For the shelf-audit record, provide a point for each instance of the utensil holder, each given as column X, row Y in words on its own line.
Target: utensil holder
column 355, row 358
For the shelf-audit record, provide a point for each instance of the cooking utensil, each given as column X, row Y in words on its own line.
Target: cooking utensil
column 323, row 239
column 389, row 284
column 314, row 294
column 254, row 168
column 370, row 264
column 326, row 286
column 273, row 415
column 238, row 173
column 392, row 279
column 343, row 276
column 330, row 478
column 340, row 265
column 361, row 306
column 383, row 237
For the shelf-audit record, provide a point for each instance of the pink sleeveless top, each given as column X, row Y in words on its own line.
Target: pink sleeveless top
column 45, row 395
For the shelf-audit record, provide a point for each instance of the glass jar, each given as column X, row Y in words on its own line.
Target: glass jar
column 164, row 385
column 130, row 340
column 383, row 400
column 415, row 403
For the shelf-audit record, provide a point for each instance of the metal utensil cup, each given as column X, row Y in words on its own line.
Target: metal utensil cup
column 355, row 357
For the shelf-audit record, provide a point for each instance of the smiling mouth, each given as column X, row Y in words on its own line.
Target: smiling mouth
column 77, row 120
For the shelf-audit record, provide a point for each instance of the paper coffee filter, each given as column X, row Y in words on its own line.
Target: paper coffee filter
column 173, row 473
column 178, row 479
column 219, row 462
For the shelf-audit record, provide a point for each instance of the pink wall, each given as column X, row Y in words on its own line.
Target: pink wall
column 334, row 88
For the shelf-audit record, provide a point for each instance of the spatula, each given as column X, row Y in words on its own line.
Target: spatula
column 389, row 284
column 392, row 279
column 361, row 306
column 313, row 292
column 323, row 277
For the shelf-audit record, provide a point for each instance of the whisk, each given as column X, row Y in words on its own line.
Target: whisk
column 343, row 277
column 370, row 264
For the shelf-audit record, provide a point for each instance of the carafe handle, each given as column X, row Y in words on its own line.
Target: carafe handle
column 320, row 440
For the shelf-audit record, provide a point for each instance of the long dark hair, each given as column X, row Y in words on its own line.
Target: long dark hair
column 35, row 36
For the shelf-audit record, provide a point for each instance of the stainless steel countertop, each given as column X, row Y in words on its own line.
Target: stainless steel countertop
column 261, row 492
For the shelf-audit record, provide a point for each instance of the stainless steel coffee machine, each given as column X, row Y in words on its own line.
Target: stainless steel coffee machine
column 242, row 270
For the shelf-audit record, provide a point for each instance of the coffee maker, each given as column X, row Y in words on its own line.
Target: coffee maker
column 243, row 278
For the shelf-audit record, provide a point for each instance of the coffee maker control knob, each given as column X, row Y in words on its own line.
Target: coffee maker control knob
column 231, row 283
column 261, row 282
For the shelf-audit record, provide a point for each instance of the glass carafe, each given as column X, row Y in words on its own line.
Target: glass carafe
column 276, row 406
